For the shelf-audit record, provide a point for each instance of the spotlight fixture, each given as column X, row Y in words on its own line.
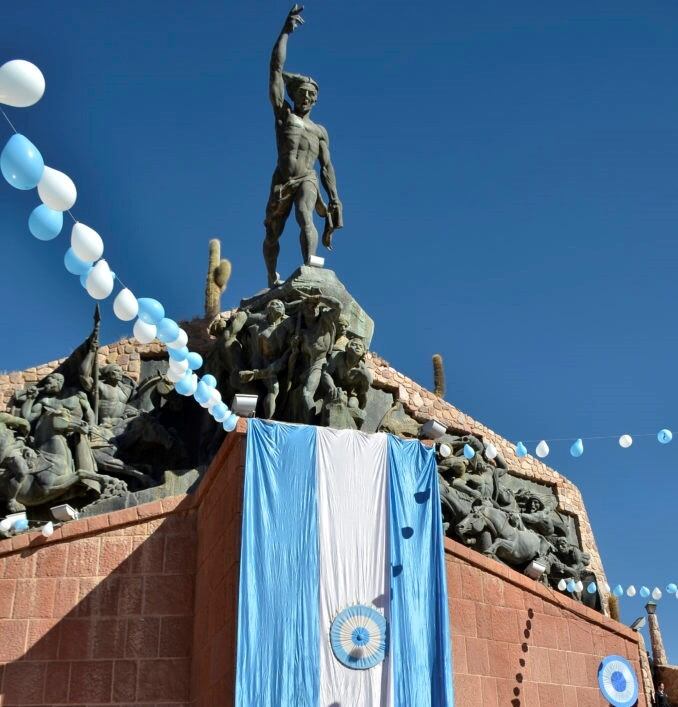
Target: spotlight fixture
column 535, row 570
column 64, row 512
column 244, row 405
column 433, row 429
column 638, row 624
column 315, row 261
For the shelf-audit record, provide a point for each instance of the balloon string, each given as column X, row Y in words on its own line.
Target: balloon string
column 569, row 439
column 71, row 215
column 8, row 120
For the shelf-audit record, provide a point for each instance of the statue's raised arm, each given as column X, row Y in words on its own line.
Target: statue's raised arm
column 278, row 57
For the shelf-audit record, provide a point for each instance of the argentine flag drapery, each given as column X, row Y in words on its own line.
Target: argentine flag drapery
column 342, row 582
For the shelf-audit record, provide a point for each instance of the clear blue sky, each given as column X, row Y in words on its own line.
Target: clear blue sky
column 509, row 173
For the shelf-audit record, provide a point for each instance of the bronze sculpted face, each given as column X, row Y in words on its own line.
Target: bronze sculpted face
column 275, row 310
column 54, row 383
column 111, row 373
column 357, row 347
column 305, row 98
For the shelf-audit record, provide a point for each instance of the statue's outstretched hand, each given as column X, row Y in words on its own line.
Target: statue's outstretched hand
column 294, row 18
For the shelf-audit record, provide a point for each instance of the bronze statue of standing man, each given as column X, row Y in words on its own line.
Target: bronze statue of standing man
column 300, row 143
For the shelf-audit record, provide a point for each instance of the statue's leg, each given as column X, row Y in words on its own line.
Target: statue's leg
column 310, row 388
column 307, row 194
column 277, row 211
column 272, row 390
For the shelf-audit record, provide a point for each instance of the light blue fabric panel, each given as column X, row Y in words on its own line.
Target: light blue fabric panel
column 278, row 624
column 421, row 661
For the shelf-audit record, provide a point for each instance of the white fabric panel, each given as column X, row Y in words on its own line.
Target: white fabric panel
column 353, row 534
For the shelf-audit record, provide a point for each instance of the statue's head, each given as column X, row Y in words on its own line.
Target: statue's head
column 53, row 383
column 342, row 325
column 112, row 373
column 302, row 90
column 562, row 545
column 356, row 347
column 309, row 307
column 275, row 310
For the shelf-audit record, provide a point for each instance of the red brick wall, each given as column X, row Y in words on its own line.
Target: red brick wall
column 518, row 643
column 138, row 607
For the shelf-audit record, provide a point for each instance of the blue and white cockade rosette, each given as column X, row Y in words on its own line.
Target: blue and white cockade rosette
column 342, row 577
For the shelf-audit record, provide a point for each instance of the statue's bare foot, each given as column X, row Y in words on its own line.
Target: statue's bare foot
column 275, row 282
column 13, row 506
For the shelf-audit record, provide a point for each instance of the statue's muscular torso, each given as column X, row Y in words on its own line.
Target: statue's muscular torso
column 298, row 143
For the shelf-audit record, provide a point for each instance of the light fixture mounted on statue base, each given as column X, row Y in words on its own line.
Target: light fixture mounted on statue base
column 433, row 429
column 244, row 405
column 315, row 261
column 535, row 570
column 64, row 512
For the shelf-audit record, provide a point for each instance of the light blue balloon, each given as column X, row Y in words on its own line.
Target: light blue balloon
column 671, row 588
column 571, row 586
column 591, row 589
column 644, row 592
column 210, row 380
column 21, row 163
column 45, row 223
column 183, row 385
column 150, row 310
column 230, row 422
column 74, row 265
column 85, row 275
column 469, row 452
column 618, row 591
column 202, row 393
column 577, row 449
column 521, row 450
column 168, row 330
column 20, row 525
column 664, row 436
column 178, row 354
column 220, row 412
column 194, row 360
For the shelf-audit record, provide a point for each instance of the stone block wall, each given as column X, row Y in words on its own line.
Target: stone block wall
column 139, row 607
column 518, row 643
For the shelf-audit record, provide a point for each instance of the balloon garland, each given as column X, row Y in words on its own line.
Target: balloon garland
column 22, row 84
column 571, row 586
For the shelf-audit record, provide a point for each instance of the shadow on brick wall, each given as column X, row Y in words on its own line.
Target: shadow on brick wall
column 112, row 616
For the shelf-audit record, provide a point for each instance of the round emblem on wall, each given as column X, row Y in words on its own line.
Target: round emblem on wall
column 358, row 637
column 617, row 681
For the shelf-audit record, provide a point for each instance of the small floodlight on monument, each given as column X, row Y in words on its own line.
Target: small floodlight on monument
column 433, row 429
column 638, row 623
column 535, row 570
column 244, row 405
column 64, row 512
column 315, row 261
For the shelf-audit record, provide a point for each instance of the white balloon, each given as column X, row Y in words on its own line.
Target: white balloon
column 100, row 280
column 194, row 384
column 179, row 342
column 657, row 594
column 144, row 333
column 579, row 586
column 562, row 585
column 21, row 83
column 48, row 529
column 444, row 450
column 57, row 190
column 625, row 441
column 631, row 591
column 178, row 366
column 174, row 376
column 125, row 305
column 5, row 524
column 491, row 451
column 86, row 243
column 542, row 449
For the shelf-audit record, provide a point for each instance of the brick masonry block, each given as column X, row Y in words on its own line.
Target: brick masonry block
column 91, row 681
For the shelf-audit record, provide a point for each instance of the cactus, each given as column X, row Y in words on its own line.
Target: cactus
column 613, row 603
column 218, row 273
column 438, row 376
